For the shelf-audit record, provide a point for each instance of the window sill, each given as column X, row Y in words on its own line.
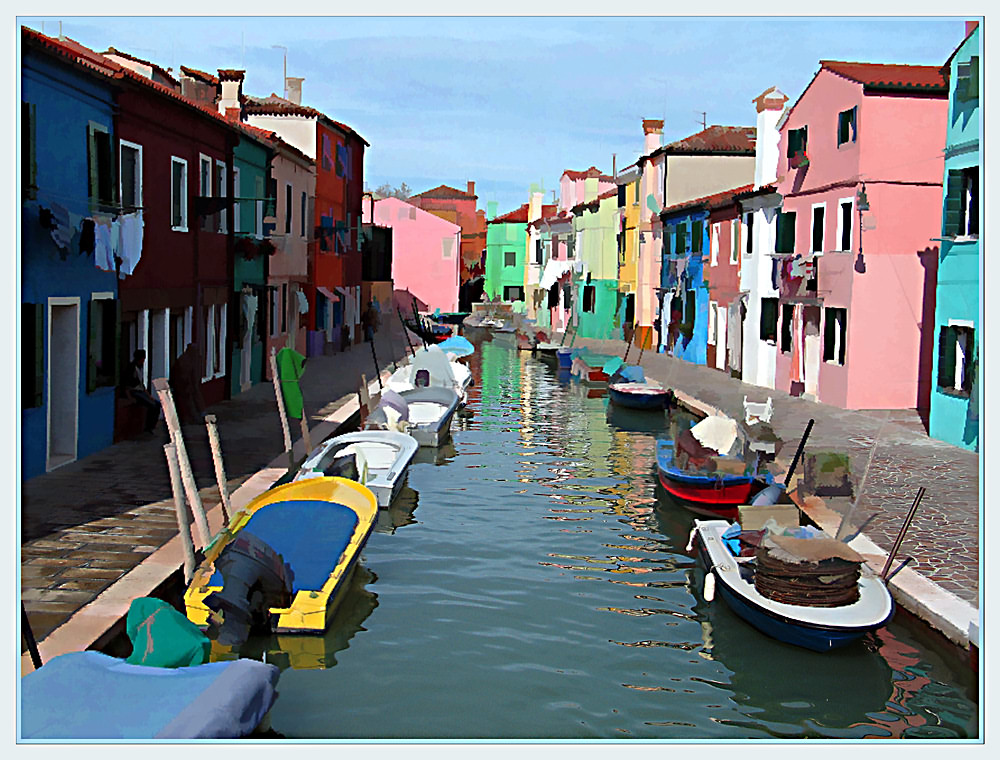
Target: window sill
column 953, row 393
column 831, row 363
column 179, row 229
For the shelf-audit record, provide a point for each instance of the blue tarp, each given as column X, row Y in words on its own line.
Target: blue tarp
column 632, row 374
column 89, row 695
column 457, row 345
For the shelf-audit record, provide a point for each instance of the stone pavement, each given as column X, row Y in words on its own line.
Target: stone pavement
column 943, row 538
column 88, row 523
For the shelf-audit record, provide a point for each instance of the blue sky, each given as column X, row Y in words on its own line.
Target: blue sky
column 510, row 101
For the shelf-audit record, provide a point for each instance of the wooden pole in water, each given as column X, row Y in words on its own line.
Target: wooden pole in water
column 798, row 452
column 628, row 347
column 378, row 374
column 902, row 532
column 183, row 524
column 162, row 388
column 405, row 333
column 29, row 639
column 417, row 320
column 220, row 470
column 281, row 409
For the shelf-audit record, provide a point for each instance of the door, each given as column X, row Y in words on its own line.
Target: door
column 811, row 349
column 158, row 355
column 63, row 382
column 248, row 306
column 721, row 344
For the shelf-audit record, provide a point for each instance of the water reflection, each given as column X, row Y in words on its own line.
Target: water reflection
column 400, row 512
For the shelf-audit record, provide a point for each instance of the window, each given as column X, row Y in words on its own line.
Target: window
column 621, row 195
column 680, row 238
column 538, row 251
column 571, row 245
column 589, row 298
column 714, row 244
column 32, row 354
column 961, row 205
column 749, row 234
column 220, row 192
column 835, row 335
column 796, row 153
column 955, row 349
column 258, row 224
column 274, row 308
column 288, row 209
column 447, row 247
column 178, row 194
column 553, row 301
column 102, row 343
column 510, row 258
column 785, row 235
column 284, row 307
column 696, row 228
column 847, row 126
column 99, row 169
column 713, row 317
column 787, row 312
column 819, row 217
column 967, row 84
column 130, row 175
column 237, row 205
column 845, row 224
column 769, row 319
column 513, row 293
column 205, row 190
column 734, row 234
column 215, row 341
column 635, row 195
column 327, row 161
column 302, row 214
column 29, row 166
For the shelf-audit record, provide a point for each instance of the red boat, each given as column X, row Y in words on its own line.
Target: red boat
column 714, row 494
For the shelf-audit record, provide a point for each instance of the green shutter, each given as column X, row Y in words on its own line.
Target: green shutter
column 93, row 336
column 972, row 91
column 946, row 358
column 953, row 202
column 696, row 233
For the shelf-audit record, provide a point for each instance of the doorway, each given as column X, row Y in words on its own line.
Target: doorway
column 811, row 350
column 62, row 421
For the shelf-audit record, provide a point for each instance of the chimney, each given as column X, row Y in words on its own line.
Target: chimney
column 294, row 87
column 491, row 209
column 590, row 189
column 770, row 105
column 471, row 188
column 535, row 203
column 653, row 129
column 970, row 26
column 231, row 82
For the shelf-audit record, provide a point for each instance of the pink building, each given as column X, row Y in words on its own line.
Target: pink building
column 425, row 254
column 859, row 169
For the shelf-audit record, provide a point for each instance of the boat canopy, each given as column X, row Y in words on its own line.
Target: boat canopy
column 435, row 362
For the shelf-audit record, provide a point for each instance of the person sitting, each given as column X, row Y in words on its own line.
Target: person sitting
column 135, row 389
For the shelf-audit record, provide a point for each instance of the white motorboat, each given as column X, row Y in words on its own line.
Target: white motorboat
column 381, row 458
column 431, row 368
column 426, row 414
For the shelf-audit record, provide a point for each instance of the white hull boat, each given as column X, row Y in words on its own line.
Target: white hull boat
column 427, row 417
column 382, row 459
column 431, row 368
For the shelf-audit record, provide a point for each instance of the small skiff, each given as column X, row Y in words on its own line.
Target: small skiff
column 813, row 627
column 649, row 396
column 382, row 458
column 716, row 494
column 428, row 413
column 431, row 368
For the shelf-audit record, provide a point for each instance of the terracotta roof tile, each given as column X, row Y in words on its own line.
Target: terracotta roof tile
column 890, row 76
column 276, row 105
column 518, row 215
column 715, row 139
column 590, row 173
column 202, row 75
column 158, row 69
column 710, row 201
column 444, row 191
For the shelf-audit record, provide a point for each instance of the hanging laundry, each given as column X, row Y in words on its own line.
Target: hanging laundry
column 87, row 239
column 130, row 241
column 774, row 273
column 61, row 232
column 104, row 257
column 303, row 302
column 800, row 267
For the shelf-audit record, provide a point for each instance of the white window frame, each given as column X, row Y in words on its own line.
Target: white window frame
column 840, row 224
column 237, row 216
column 138, row 170
column 714, row 245
column 183, row 227
column 447, row 247
column 258, row 223
column 734, row 235
column 837, row 340
column 746, row 233
column 713, row 315
column 812, row 227
column 188, row 325
column 221, row 348
column 209, row 344
column 220, row 168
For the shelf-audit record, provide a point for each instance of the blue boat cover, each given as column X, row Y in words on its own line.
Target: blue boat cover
column 632, row 374
column 612, row 365
column 309, row 535
column 89, row 695
column 457, row 345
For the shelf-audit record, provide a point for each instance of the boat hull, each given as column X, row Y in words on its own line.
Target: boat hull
column 715, row 495
column 654, row 400
column 785, row 622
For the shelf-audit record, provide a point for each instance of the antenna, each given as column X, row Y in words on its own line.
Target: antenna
column 704, row 123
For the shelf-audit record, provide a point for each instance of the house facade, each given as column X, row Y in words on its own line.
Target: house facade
column 425, row 255
column 859, row 172
column 506, row 242
column 70, row 358
column 954, row 406
column 628, row 181
column 597, row 282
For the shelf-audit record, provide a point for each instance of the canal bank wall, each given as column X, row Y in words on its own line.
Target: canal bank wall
column 891, row 457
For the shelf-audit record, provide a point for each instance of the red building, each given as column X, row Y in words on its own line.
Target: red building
column 459, row 208
column 334, row 292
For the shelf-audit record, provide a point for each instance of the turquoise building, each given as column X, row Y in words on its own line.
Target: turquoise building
column 954, row 412
column 506, row 246
column 596, row 301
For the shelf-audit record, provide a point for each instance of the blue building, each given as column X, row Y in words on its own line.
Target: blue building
column 684, row 294
column 954, row 414
column 69, row 303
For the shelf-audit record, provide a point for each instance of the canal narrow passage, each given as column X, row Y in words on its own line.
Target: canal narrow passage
column 532, row 582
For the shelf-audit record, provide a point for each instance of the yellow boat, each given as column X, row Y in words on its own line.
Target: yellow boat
column 314, row 530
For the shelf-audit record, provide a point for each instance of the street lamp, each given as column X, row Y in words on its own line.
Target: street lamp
column 284, row 69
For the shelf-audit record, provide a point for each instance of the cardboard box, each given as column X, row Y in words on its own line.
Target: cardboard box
column 753, row 517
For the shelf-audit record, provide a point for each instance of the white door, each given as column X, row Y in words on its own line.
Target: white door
column 720, row 339
column 811, row 349
column 158, row 355
column 63, row 381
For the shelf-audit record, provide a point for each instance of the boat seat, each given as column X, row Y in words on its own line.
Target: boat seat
column 379, row 456
column 424, row 411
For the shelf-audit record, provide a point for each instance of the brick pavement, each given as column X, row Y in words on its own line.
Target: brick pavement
column 88, row 523
column 943, row 538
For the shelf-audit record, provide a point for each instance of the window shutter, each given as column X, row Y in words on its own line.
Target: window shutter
column 696, row 233
column 117, row 353
column 972, row 91
column 946, row 358
column 93, row 330
column 953, row 203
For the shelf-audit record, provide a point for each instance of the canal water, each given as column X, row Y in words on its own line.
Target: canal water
column 532, row 583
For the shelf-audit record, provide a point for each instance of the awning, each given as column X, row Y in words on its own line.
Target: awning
column 327, row 294
column 554, row 270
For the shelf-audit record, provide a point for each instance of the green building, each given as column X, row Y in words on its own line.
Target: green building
column 506, row 243
column 595, row 227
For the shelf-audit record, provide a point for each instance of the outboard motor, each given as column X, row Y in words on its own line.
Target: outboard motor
column 254, row 579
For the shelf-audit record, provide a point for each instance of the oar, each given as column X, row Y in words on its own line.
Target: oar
column 628, row 347
column 29, row 639
column 902, row 532
column 405, row 333
column 771, row 494
column 375, row 360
